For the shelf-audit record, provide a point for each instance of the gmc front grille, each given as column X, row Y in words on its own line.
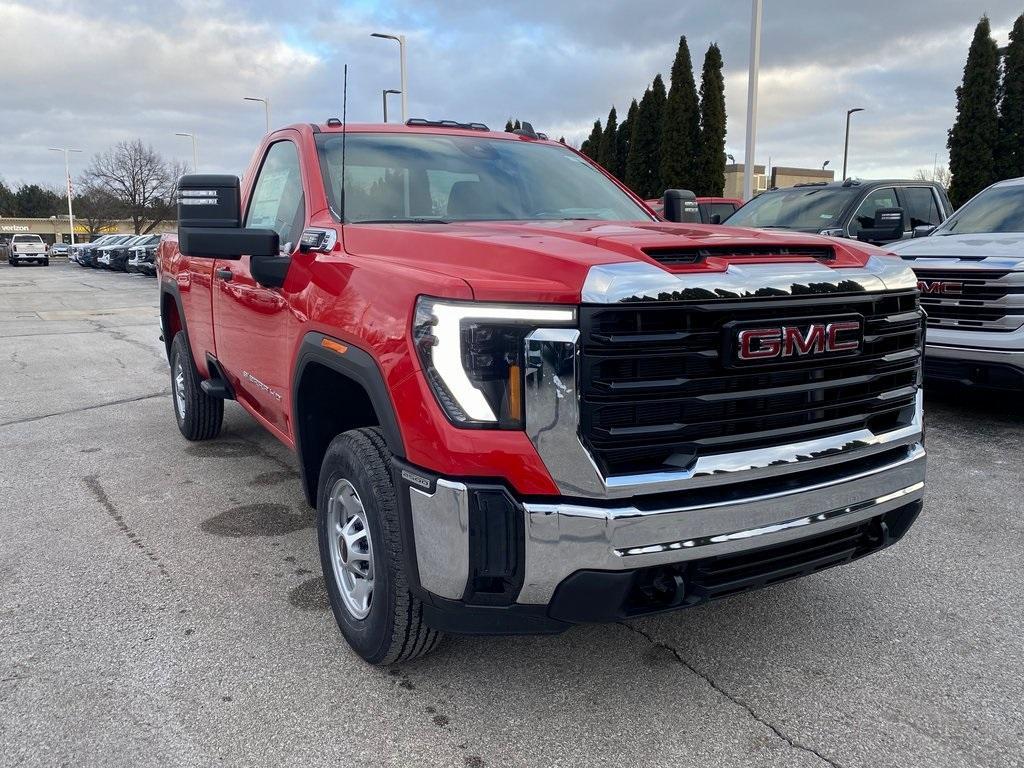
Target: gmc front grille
column 981, row 300
column 656, row 395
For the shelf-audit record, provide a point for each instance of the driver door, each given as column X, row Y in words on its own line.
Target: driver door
column 254, row 328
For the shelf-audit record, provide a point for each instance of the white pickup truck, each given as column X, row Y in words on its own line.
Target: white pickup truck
column 970, row 272
column 26, row 249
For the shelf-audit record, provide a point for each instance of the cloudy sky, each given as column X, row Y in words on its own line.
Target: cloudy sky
column 88, row 74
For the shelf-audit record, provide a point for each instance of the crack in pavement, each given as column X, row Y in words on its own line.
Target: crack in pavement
column 735, row 700
column 93, row 483
column 28, row 419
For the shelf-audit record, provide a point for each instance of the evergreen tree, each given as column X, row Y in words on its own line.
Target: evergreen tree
column 680, row 126
column 1010, row 153
column 974, row 134
column 643, row 173
column 8, row 203
column 711, row 176
column 606, row 153
column 508, row 126
column 34, row 202
column 561, row 139
column 592, row 145
column 517, row 125
column 622, row 136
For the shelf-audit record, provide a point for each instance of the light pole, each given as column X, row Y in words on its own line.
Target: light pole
column 67, row 183
column 755, row 65
column 400, row 39
column 846, row 143
column 384, row 99
column 195, row 150
column 266, row 107
column 825, row 164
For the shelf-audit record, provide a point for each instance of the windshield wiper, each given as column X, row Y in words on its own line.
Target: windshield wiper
column 411, row 220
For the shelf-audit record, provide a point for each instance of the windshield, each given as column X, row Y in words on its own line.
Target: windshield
column 810, row 208
column 436, row 178
column 996, row 209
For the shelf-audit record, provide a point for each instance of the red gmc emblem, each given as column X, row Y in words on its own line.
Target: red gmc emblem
column 779, row 342
column 940, row 286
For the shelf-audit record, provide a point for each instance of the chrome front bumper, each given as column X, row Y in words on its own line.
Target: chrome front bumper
column 986, row 356
column 569, row 535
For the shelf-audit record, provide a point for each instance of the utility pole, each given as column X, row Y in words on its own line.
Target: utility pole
column 266, row 107
column 846, row 143
column 400, row 39
column 755, row 65
column 195, row 150
column 67, row 183
column 384, row 99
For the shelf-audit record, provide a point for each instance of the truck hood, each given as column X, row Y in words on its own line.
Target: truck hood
column 1006, row 248
column 549, row 261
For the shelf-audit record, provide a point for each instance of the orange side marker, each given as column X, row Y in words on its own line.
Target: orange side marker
column 334, row 346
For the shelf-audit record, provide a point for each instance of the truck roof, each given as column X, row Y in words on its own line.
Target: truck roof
column 447, row 127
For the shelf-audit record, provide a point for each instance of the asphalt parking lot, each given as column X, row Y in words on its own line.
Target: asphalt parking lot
column 160, row 603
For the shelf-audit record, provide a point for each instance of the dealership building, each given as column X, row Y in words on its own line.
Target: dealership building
column 57, row 228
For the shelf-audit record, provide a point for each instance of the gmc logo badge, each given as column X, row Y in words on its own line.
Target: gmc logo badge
column 940, row 286
column 803, row 340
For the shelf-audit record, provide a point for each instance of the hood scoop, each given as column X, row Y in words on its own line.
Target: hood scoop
column 675, row 256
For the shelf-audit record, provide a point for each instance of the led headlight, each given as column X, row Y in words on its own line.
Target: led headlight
column 472, row 355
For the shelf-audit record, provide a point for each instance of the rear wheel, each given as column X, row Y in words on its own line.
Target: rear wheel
column 361, row 552
column 199, row 416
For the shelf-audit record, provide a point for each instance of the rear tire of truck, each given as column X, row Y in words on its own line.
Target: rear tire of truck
column 361, row 552
column 199, row 416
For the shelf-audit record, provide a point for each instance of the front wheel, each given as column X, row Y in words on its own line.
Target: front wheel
column 361, row 552
column 199, row 416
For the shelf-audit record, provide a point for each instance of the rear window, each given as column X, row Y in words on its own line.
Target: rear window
column 28, row 239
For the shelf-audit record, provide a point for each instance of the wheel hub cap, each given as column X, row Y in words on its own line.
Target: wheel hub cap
column 179, row 387
column 351, row 548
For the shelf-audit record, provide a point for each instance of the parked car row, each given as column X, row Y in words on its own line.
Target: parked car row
column 121, row 253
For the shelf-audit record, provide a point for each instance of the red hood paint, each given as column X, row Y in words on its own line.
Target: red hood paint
column 549, row 261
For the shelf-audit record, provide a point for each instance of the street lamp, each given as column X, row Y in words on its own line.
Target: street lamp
column 755, row 65
column 846, row 143
column 384, row 99
column 730, row 158
column 266, row 107
column 195, row 150
column 400, row 39
column 67, row 179
column 825, row 164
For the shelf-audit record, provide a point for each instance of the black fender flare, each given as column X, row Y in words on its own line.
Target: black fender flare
column 360, row 367
column 170, row 288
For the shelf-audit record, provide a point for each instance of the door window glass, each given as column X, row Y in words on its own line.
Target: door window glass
column 922, row 210
column 278, row 202
column 865, row 215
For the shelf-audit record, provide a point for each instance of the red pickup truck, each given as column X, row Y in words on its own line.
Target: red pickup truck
column 518, row 400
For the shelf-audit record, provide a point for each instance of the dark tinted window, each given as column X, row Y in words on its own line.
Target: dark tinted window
column 921, row 207
column 865, row 215
column 810, row 208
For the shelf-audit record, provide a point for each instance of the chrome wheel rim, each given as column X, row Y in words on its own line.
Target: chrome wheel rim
column 351, row 548
column 179, row 388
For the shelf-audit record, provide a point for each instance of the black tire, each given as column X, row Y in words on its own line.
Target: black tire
column 46, row 262
column 394, row 630
column 203, row 415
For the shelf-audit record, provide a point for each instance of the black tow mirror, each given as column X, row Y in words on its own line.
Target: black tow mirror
column 210, row 220
column 681, row 206
column 888, row 226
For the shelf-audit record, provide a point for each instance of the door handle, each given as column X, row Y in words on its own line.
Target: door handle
column 224, row 274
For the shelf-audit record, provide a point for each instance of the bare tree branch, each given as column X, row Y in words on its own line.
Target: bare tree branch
column 139, row 178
